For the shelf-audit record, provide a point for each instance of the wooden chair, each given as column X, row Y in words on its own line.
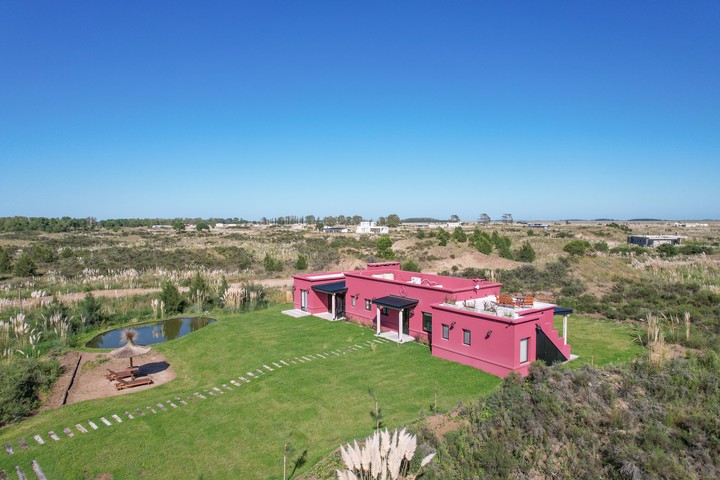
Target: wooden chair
column 505, row 300
column 123, row 384
column 112, row 375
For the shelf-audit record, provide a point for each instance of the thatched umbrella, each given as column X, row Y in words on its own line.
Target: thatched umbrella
column 129, row 350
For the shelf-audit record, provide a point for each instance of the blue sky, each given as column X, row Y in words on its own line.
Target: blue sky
column 546, row 110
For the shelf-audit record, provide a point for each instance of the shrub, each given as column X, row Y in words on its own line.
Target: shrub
column 525, row 253
column 301, row 263
column 25, row 266
column 410, row 266
column 91, row 310
column 271, row 264
column 577, row 247
column 5, row 264
column 459, row 235
column 21, row 385
column 600, row 247
column 667, row 250
column 170, row 296
column 383, row 247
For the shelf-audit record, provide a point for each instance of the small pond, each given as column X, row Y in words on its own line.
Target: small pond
column 154, row 333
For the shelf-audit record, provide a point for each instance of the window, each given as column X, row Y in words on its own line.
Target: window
column 427, row 322
column 466, row 336
column 352, row 301
column 524, row 350
column 368, row 304
column 384, row 311
column 446, row 331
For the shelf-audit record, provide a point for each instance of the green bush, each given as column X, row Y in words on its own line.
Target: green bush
column 384, row 249
column 271, row 264
column 25, row 266
column 410, row 266
column 525, row 253
column 577, row 247
column 22, row 382
column 301, row 263
column 170, row 296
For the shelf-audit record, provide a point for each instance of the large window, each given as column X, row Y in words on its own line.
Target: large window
column 427, row 322
column 446, row 331
column 524, row 350
column 466, row 336
column 368, row 304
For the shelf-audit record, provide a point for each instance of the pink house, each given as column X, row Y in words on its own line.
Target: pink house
column 463, row 320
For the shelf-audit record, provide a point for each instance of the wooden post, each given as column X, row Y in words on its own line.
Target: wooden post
column 333, row 306
column 565, row 317
column 400, row 325
column 378, row 320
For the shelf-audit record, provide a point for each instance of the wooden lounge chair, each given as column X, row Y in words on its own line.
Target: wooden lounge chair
column 505, row 300
column 123, row 384
column 132, row 372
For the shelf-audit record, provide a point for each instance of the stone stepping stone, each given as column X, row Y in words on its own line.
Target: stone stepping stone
column 335, row 353
column 276, row 365
column 38, row 471
column 3, row 475
column 200, row 396
column 129, row 416
column 151, row 409
column 308, row 359
column 284, row 363
column 68, row 432
column 23, row 444
column 106, row 421
column 117, row 419
column 53, row 435
column 235, row 382
column 92, row 425
column 80, row 428
column 210, row 392
column 192, row 398
column 39, row 440
column 321, row 356
column 181, row 401
column 9, row 449
column 226, row 387
column 244, row 379
column 250, row 374
column 293, row 362
column 139, row 412
column 260, row 371
column 20, row 474
column 267, row 368
column 218, row 390
column 162, row 407
column 171, row 404
column 300, row 360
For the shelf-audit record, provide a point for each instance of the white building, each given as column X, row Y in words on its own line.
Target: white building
column 371, row 227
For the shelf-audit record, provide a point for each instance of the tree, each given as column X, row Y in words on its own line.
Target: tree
column 459, row 235
column 356, row 219
column 90, row 310
column 507, row 218
column 342, row 220
column 271, row 264
column 454, row 217
column 301, row 263
column 525, row 253
column 179, row 226
column 384, row 248
column 5, row 264
column 330, row 220
column 199, row 290
column 171, row 298
column 24, row 266
column 484, row 218
column 310, row 219
column 443, row 237
column 382, row 221
column 319, row 226
column 576, row 248
column 393, row 220
column 202, row 225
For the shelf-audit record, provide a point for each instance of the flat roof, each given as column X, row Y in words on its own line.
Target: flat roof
column 395, row 302
column 334, row 287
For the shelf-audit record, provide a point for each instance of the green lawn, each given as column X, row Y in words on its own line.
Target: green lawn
column 600, row 341
column 314, row 406
column 240, row 434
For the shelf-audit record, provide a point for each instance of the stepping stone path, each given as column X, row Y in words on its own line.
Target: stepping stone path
column 130, row 416
column 38, row 471
column 80, row 428
column 203, row 397
column 39, row 440
column 226, row 387
column 244, row 379
column 182, row 402
column 192, row 399
column 23, row 443
column 218, row 390
column 250, row 374
column 68, row 432
column 172, row 404
column 20, row 474
column 3, row 475
column 92, row 425
column 210, row 392
column 260, row 371
column 139, row 412
column 151, row 409
column 278, row 366
column 284, row 363
column 9, row 449
column 117, row 419
column 162, row 407
column 235, row 382
column 106, row 421
column 267, row 368
column 53, row 435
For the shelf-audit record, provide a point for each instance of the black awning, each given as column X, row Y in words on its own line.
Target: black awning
column 562, row 311
column 331, row 288
column 395, row 302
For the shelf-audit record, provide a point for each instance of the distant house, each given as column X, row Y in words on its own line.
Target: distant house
column 653, row 240
column 538, row 225
column 463, row 320
column 162, row 226
column 335, row 230
column 371, row 227
column 692, row 225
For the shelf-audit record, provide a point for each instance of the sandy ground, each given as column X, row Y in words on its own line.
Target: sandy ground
column 91, row 383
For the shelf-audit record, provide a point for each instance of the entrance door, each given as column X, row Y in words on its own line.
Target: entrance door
column 339, row 306
column 406, row 322
column 303, row 300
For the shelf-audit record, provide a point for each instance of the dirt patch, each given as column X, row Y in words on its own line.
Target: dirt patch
column 468, row 259
column 90, row 381
column 67, row 363
column 441, row 425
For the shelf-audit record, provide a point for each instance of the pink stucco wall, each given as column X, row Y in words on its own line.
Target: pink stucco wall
column 318, row 302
